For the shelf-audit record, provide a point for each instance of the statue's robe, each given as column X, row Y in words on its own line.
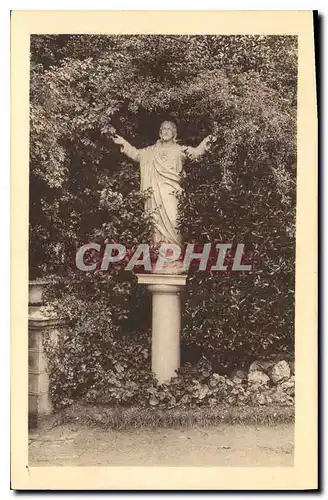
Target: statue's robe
column 160, row 170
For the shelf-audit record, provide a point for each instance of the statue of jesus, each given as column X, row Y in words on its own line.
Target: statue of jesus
column 160, row 169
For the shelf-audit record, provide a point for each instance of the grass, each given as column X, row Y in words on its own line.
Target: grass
column 126, row 418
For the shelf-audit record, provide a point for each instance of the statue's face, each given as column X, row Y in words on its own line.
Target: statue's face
column 167, row 132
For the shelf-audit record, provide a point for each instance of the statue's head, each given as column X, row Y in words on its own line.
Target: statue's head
column 168, row 131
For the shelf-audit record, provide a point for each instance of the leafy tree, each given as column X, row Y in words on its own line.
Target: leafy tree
column 244, row 88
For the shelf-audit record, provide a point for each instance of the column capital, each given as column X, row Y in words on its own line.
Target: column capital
column 176, row 280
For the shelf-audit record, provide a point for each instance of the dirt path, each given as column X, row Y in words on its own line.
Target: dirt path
column 225, row 445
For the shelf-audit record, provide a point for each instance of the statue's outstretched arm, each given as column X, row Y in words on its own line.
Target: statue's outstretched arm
column 204, row 146
column 127, row 148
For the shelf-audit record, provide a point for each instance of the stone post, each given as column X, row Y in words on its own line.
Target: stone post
column 166, row 321
column 39, row 400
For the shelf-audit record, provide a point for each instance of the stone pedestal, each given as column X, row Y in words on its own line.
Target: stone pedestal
column 39, row 400
column 166, row 321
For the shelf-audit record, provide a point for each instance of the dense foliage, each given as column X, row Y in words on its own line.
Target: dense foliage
column 82, row 188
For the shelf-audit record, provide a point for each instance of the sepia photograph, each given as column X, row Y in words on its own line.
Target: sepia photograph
column 162, row 233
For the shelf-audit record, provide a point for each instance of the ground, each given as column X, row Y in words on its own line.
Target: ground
column 222, row 445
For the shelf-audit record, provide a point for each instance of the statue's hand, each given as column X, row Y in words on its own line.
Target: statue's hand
column 212, row 138
column 118, row 139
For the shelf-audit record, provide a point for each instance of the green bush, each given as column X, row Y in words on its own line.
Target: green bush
column 82, row 189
